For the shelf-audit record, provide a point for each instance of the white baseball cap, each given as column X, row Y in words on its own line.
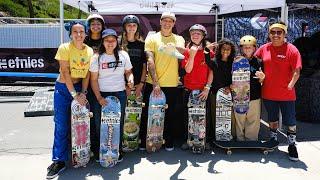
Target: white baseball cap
column 168, row 15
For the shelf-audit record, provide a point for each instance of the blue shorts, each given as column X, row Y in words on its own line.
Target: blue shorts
column 288, row 111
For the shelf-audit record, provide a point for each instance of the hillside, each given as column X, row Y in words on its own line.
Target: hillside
column 41, row 8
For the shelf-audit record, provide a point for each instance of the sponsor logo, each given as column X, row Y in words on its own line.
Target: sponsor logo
column 21, row 63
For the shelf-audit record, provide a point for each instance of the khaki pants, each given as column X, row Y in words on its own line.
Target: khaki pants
column 213, row 115
column 248, row 125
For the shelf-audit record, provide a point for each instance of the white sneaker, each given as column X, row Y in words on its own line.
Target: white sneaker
column 169, row 148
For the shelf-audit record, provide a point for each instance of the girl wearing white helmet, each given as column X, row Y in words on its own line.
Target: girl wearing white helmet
column 198, row 75
column 95, row 23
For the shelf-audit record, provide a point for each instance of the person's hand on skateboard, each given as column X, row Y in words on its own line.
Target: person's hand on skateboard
column 227, row 90
column 102, row 101
column 156, row 89
column 81, row 98
column 204, row 94
column 139, row 88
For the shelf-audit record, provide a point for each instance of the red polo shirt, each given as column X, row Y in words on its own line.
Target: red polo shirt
column 279, row 64
column 198, row 77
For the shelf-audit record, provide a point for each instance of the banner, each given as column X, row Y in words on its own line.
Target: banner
column 28, row 60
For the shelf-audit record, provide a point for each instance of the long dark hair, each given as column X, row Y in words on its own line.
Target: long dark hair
column 89, row 29
column 218, row 49
column 116, row 50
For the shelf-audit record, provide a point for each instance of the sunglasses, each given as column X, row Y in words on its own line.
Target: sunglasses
column 276, row 32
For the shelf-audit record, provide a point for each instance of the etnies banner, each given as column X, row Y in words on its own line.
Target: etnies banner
column 28, row 60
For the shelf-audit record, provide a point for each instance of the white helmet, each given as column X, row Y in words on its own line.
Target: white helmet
column 95, row 16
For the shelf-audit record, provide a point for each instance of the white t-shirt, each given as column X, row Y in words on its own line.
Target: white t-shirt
column 109, row 78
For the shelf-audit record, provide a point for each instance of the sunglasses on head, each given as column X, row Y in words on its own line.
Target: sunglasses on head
column 276, row 32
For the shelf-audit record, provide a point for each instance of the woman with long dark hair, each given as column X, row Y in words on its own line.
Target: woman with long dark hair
column 108, row 69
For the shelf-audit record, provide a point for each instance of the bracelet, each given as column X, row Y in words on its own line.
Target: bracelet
column 85, row 92
column 73, row 93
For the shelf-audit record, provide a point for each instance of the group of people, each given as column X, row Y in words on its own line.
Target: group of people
column 100, row 63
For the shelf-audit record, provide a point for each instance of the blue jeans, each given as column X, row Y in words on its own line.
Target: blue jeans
column 62, row 102
column 288, row 111
column 122, row 96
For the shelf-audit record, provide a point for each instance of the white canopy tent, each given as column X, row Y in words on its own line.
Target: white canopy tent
column 188, row 7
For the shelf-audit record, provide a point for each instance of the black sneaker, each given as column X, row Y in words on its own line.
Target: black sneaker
column 120, row 158
column 54, row 169
column 293, row 153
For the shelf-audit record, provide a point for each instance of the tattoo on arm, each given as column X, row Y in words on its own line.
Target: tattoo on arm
column 151, row 66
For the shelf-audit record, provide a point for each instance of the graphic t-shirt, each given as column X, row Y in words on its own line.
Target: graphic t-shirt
column 79, row 60
column 111, row 78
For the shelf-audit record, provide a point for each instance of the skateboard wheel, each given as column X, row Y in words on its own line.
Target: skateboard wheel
column 143, row 104
column 229, row 152
column 163, row 141
column 153, row 149
column 265, row 152
column 166, row 106
column 90, row 114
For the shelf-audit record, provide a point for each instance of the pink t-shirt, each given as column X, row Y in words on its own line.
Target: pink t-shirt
column 279, row 65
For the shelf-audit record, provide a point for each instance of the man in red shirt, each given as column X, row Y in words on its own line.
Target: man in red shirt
column 282, row 65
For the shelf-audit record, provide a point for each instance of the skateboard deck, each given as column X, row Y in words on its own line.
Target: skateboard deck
column 80, row 134
column 241, row 85
column 132, row 121
column 196, row 122
column 110, row 132
column 223, row 116
column 156, row 113
column 265, row 146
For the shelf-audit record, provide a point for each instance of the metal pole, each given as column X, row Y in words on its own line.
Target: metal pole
column 216, row 25
column 61, row 21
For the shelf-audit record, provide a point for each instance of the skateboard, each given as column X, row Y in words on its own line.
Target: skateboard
column 223, row 116
column 196, row 122
column 265, row 146
column 80, row 134
column 132, row 121
column 156, row 113
column 110, row 132
column 241, row 84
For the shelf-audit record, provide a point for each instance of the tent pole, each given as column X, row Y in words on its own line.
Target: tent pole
column 284, row 13
column 61, row 21
column 216, row 25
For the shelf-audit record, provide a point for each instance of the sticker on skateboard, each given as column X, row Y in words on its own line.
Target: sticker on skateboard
column 241, row 84
column 223, row 116
column 196, row 122
column 110, row 132
column 156, row 114
column 80, row 134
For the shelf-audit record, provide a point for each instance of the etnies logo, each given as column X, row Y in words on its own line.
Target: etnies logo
column 21, row 63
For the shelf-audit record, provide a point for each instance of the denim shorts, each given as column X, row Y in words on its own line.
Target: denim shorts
column 287, row 108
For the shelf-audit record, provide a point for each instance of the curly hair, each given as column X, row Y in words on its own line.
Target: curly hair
column 218, row 49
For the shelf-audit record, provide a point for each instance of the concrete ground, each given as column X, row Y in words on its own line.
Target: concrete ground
column 25, row 153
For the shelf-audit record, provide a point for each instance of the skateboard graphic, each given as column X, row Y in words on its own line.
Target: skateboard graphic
column 265, row 146
column 223, row 116
column 132, row 121
column 110, row 132
column 80, row 134
column 241, row 84
column 156, row 113
column 196, row 122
